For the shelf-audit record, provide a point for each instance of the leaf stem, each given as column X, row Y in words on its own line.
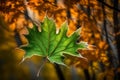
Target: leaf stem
column 41, row 66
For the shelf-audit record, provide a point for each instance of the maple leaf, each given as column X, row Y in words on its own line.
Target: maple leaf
column 52, row 45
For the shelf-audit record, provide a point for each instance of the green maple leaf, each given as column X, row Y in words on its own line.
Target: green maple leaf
column 52, row 45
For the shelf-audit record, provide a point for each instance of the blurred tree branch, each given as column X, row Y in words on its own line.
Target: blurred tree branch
column 116, row 9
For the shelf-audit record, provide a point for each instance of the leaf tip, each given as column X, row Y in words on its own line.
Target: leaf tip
column 78, row 31
column 23, row 59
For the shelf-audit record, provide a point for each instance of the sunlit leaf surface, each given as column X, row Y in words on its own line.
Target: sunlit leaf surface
column 52, row 44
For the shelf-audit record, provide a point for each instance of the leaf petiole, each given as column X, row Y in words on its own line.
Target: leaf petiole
column 41, row 66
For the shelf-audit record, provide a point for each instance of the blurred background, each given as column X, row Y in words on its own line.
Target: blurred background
column 100, row 23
